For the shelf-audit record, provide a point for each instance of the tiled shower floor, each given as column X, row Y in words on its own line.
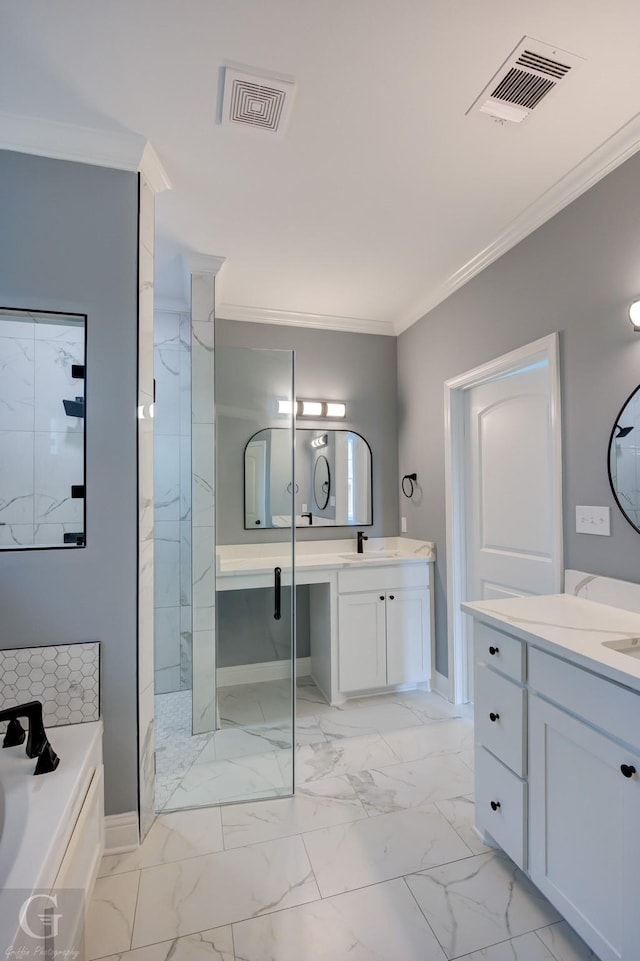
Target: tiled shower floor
column 373, row 859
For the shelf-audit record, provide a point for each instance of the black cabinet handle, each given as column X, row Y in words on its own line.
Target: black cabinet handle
column 392, row 597
column 495, row 805
column 628, row 770
column 494, row 717
column 382, row 597
column 277, row 587
column 494, row 650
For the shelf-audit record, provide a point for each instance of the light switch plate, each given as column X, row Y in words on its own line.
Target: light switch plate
column 593, row 520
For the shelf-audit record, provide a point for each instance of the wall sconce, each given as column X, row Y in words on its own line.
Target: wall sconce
column 408, row 484
column 314, row 408
column 634, row 315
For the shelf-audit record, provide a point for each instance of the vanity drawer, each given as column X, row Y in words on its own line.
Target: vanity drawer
column 501, row 800
column 601, row 702
column 499, row 715
column 500, row 651
column 368, row 578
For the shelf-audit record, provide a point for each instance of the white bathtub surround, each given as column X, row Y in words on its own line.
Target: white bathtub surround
column 145, row 505
column 245, row 888
column 52, row 825
column 65, row 677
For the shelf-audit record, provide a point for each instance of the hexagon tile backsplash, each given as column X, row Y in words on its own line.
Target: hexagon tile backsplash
column 66, row 678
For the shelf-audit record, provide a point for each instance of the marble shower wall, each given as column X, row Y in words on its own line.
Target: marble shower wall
column 172, row 486
column 146, row 738
column 42, row 448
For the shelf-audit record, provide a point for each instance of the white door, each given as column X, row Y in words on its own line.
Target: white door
column 255, row 465
column 504, row 489
column 408, row 656
column 510, row 519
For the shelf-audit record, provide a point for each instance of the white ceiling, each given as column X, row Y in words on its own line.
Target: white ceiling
column 383, row 195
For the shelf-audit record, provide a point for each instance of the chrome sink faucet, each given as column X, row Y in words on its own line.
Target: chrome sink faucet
column 361, row 537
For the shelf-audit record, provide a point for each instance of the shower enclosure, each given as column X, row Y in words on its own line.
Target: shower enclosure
column 225, row 682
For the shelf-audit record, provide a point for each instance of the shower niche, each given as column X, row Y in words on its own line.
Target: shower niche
column 42, row 429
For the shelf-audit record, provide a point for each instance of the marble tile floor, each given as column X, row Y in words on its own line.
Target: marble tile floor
column 373, row 859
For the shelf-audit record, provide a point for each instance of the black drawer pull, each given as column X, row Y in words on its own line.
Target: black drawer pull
column 392, row 597
column 382, row 597
column 495, row 805
column 494, row 717
column 494, row 650
column 628, row 770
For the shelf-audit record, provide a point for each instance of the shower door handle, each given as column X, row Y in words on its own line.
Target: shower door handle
column 277, row 587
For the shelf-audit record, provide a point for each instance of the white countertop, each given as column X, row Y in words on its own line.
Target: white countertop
column 571, row 627
column 238, row 559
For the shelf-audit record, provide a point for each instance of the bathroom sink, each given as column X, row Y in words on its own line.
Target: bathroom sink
column 629, row 646
column 369, row 555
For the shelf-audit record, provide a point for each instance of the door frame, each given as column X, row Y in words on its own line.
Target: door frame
column 455, row 493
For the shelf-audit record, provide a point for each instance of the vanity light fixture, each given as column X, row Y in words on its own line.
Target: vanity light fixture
column 634, row 315
column 320, row 441
column 314, row 408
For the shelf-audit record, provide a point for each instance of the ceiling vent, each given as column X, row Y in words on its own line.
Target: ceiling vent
column 257, row 101
column 526, row 78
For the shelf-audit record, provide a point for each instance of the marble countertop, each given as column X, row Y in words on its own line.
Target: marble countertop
column 571, row 627
column 234, row 559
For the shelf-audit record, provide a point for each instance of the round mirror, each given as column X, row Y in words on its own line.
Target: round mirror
column 624, row 459
column 321, row 482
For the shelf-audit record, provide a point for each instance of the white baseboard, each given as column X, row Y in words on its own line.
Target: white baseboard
column 268, row 671
column 440, row 684
column 121, row 833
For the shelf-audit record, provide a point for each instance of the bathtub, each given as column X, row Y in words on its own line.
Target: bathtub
column 51, row 826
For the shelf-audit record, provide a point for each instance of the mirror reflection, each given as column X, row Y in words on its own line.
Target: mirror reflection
column 333, row 479
column 624, row 459
column 42, row 416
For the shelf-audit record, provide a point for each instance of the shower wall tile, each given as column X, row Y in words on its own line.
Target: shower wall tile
column 16, row 383
column 202, row 373
column 185, row 331
column 185, row 564
column 167, row 477
column 185, row 477
column 166, row 330
column 64, row 677
column 167, row 564
column 146, row 546
column 58, row 463
column 186, row 649
column 203, row 472
column 16, row 477
column 204, row 681
column 167, row 406
column 167, row 638
column 57, row 348
column 167, row 680
column 15, row 535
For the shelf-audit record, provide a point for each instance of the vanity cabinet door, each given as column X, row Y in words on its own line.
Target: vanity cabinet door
column 408, row 655
column 584, row 842
column 362, row 641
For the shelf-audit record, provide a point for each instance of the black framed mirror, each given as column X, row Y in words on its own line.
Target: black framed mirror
column 624, row 459
column 333, row 479
column 321, row 482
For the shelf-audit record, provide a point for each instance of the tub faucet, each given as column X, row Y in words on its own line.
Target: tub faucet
column 37, row 740
column 361, row 537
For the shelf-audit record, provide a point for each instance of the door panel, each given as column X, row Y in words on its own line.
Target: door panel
column 362, row 641
column 407, row 654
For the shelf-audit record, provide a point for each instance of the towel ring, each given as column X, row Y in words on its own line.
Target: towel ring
column 408, row 484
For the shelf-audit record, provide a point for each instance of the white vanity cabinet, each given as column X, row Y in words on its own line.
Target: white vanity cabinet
column 384, row 627
column 558, row 783
column 584, row 805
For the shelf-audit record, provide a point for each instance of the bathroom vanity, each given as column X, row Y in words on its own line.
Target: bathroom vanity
column 371, row 614
column 557, row 713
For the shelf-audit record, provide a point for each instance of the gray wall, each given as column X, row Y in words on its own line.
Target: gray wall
column 69, row 242
column 576, row 274
column 357, row 368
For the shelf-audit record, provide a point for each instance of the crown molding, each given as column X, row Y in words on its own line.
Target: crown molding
column 613, row 152
column 118, row 149
column 291, row 318
column 202, row 263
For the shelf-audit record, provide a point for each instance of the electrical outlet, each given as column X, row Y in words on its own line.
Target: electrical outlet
column 593, row 520
column 403, row 525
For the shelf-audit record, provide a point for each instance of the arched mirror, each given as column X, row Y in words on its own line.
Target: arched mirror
column 624, row 459
column 321, row 482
